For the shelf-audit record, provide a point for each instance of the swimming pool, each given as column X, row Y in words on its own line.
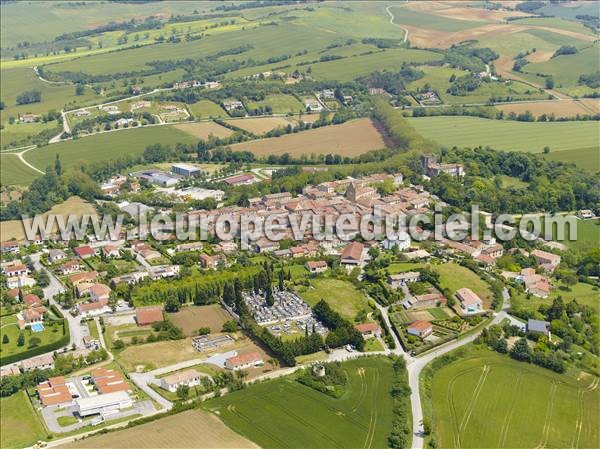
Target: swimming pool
column 37, row 327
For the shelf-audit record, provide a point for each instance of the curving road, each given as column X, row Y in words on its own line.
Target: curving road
column 387, row 8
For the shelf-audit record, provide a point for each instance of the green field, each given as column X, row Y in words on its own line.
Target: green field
column 14, row 172
column 582, row 293
column 453, row 277
column 206, row 109
column 280, row 104
column 285, row 414
column 566, row 69
column 107, row 146
column 19, row 426
column 583, row 157
column 342, row 296
column 490, row 400
column 512, row 135
column 405, row 16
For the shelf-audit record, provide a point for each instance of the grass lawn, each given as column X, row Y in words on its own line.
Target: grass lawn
column 18, row 133
column 283, row 413
column 205, row 109
column 280, row 104
column 20, row 426
column 490, row 400
column 51, row 333
column 583, row 293
column 15, row 172
column 342, row 296
column 438, row 313
column 453, row 277
column 65, row 421
column 93, row 329
column 192, row 318
column 510, row 135
column 373, row 345
column 400, row 267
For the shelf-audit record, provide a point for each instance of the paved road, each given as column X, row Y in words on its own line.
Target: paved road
column 77, row 330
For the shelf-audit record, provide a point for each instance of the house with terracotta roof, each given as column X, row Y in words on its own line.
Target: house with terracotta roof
column 368, row 330
column 212, row 262
column 78, row 278
column 108, row 380
column 20, row 282
column 536, row 284
column 29, row 317
column 352, row 255
column 54, row 255
column 100, row 292
column 71, row 266
column 31, row 300
column 547, row 261
column 111, row 251
column 470, row 303
column 420, row 328
column 11, row 246
column 189, row 377
column 316, row 266
column 87, row 309
column 148, row 315
column 54, row 392
column 45, row 361
column 15, row 269
column 400, row 279
column 244, row 361
column 84, row 251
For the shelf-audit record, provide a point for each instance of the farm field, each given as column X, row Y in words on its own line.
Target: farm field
column 206, row 109
column 73, row 205
column 560, row 108
column 15, row 172
column 17, row 134
column 261, row 125
column 585, row 158
column 285, row 414
column 490, row 400
column 203, row 130
column 192, row 428
column 191, row 318
column 280, row 104
column 348, row 139
column 342, row 296
column 107, row 146
column 19, row 426
column 509, row 135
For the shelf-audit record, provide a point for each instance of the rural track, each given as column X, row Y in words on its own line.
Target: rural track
column 374, row 412
column 22, row 159
column 579, row 422
column 387, row 8
column 509, row 413
column 548, row 418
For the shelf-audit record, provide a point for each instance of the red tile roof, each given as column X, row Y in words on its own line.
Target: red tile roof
column 367, row 328
column 420, row 325
column 353, row 251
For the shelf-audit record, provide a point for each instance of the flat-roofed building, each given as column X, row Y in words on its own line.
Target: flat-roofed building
column 186, row 170
column 104, row 404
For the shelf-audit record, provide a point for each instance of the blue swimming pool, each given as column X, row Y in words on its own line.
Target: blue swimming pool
column 37, row 327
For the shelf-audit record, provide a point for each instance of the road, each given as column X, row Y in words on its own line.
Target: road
column 77, row 330
column 392, row 22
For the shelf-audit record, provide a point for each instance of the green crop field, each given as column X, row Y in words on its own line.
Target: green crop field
column 205, row 109
column 285, row 414
column 511, row 135
column 566, row 69
column 20, row 426
column 490, row 400
column 280, row 104
column 14, row 172
column 342, row 296
column 584, row 157
column 405, row 16
column 107, row 146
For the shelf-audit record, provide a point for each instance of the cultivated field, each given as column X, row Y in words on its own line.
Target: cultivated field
column 511, row 135
column 342, row 296
column 191, row 318
column 203, row 130
column 560, row 108
column 280, row 104
column 348, row 139
column 193, row 428
column 285, row 414
column 73, row 205
column 490, row 400
column 107, row 146
column 15, row 172
column 261, row 125
column 19, row 426
column 205, row 109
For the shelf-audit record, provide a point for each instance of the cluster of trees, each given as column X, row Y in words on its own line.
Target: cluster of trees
column 332, row 383
column 467, row 57
column 400, row 436
column 463, row 85
column 552, row 186
column 565, row 50
column 592, row 80
column 342, row 332
column 393, row 82
column 29, row 96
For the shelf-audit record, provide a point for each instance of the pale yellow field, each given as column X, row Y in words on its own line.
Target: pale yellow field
column 190, row 429
column 13, row 229
column 261, row 125
column 560, row 108
column 203, row 129
column 348, row 139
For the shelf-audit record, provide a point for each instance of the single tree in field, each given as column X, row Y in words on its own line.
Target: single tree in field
column 5, row 339
column 21, row 339
column 183, row 392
